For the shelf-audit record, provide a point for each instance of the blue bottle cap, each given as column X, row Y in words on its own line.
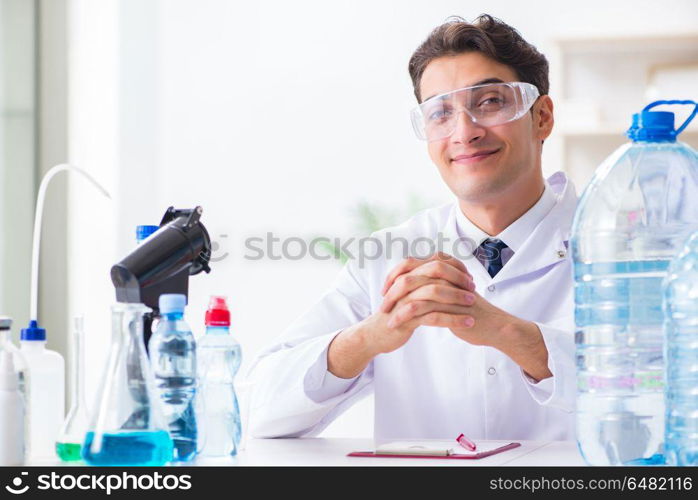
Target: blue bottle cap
column 652, row 126
column 172, row 303
column 33, row 332
column 142, row 232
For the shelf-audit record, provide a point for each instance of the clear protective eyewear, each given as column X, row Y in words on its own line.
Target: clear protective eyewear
column 487, row 105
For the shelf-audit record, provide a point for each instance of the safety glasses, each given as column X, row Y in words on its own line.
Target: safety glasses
column 487, row 105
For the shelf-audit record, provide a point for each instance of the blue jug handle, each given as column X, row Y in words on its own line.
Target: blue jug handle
column 688, row 120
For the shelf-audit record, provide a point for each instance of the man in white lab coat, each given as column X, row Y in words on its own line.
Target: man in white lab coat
column 475, row 339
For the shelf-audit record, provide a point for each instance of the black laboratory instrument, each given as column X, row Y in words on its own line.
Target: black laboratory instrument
column 163, row 262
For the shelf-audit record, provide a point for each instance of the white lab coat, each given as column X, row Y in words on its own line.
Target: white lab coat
column 436, row 385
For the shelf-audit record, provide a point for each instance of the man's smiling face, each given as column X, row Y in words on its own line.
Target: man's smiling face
column 505, row 154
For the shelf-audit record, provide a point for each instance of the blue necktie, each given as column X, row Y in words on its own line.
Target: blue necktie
column 490, row 251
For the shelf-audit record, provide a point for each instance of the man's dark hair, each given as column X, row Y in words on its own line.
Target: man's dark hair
column 489, row 36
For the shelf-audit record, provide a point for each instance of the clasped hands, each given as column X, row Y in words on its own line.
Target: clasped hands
column 440, row 291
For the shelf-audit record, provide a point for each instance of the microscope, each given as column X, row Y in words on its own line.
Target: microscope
column 180, row 248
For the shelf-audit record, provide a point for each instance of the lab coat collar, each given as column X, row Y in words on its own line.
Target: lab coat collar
column 518, row 231
column 516, row 234
column 544, row 245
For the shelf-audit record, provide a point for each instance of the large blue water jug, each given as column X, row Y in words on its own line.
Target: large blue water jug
column 681, row 356
column 631, row 220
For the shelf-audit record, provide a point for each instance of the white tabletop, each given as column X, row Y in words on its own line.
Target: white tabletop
column 333, row 452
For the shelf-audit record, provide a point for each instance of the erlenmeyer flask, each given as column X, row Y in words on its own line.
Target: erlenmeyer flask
column 74, row 427
column 128, row 426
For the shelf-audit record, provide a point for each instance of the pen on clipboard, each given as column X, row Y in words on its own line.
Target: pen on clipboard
column 466, row 443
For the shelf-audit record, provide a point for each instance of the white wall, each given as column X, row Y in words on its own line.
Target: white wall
column 53, row 149
column 93, row 131
column 274, row 116
column 17, row 156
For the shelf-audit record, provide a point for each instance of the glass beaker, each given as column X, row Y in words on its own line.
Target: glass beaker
column 128, row 426
column 72, row 433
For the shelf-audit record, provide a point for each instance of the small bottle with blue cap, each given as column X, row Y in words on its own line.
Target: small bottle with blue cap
column 143, row 231
column 172, row 351
column 46, row 392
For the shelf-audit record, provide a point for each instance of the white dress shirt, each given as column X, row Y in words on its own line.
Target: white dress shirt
column 515, row 234
column 437, row 385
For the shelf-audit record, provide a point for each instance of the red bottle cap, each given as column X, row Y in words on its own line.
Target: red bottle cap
column 217, row 313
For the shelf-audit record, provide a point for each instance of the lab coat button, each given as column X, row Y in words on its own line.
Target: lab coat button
column 491, row 288
column 491, row 371
column 561, row 253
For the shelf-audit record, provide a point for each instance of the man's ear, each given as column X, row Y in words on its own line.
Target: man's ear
column 543, row 119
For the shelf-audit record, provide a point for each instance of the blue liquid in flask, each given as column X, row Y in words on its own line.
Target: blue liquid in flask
column 140, row 448
column 129, row 428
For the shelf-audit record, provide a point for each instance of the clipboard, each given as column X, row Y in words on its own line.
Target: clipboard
column 453, row 456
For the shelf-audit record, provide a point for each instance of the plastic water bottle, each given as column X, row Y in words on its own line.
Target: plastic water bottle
column 137, row 383
column 143, row 231
column 18, row 359
column 11, row 414
column 681, row 356
column 173, row 362
column 631, row 220
column 46, row 391
column 219, row 358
